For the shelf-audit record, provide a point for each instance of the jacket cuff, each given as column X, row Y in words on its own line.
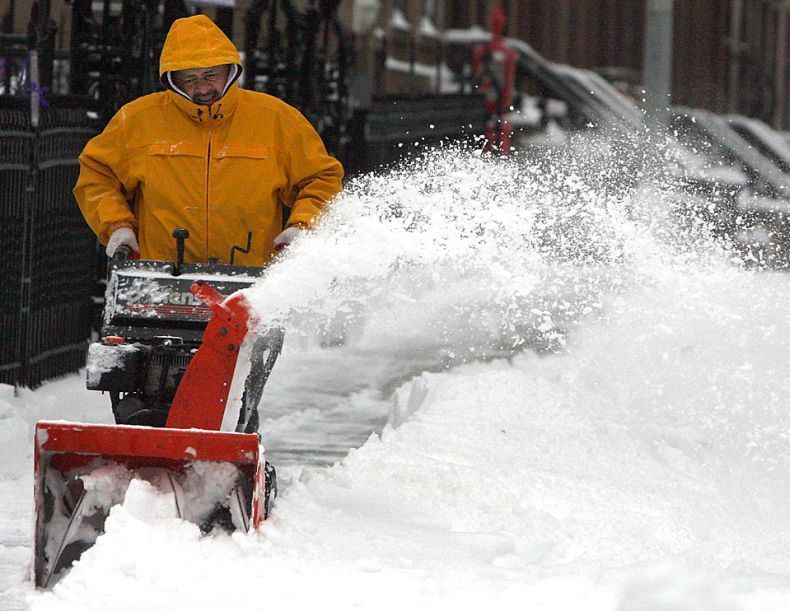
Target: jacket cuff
column 305, row 215
column 299, row 224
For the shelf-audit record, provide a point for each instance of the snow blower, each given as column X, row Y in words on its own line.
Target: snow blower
column 167, row 353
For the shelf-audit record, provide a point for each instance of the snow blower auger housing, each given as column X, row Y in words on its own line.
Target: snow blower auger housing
column 167, row 354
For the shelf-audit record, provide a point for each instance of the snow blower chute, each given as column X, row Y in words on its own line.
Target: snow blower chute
column 167, row 355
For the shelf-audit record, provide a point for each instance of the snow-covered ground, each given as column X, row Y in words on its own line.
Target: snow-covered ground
column 560, row 398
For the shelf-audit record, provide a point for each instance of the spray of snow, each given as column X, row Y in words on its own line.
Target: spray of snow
column 480, row 254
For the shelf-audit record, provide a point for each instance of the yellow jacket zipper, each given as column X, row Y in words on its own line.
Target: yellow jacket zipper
column 208, row 184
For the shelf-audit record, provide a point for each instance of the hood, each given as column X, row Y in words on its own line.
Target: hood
column 196, row 42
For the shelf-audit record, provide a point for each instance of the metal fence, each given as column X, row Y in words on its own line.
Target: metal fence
column 386, row 133
column 47, row 259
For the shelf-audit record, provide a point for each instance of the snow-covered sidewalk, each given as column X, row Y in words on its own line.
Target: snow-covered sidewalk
column 646, row 468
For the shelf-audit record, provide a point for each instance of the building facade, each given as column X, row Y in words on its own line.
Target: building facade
column 728, row 55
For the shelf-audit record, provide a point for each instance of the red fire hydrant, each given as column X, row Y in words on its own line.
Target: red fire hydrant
column 494, row 65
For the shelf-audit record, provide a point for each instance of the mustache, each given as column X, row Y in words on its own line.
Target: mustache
column 205, row 98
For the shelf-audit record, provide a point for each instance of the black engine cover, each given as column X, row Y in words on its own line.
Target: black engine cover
column 152, row 326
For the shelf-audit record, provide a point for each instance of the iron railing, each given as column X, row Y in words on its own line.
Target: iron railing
column 48, row 251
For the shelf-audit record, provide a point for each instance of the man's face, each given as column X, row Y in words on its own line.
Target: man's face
column 204, row 86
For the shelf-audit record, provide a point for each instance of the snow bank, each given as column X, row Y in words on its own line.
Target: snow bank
column 645, row 468
column 15, row 435
column 61, row 399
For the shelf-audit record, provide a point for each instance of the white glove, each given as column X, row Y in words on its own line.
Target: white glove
column 122, row 236
column 286, row 237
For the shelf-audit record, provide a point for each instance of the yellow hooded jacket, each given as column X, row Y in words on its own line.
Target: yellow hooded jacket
column 222, row 172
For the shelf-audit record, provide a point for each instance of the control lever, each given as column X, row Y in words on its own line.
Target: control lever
column 122, row 253
column 180, row 235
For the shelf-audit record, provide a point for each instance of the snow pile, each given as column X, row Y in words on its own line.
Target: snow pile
column 107, row 484
column 207, row 485
column 104, row 359
column 15, row 435
column 646, row 468
column 195, row 492
column 60, row 399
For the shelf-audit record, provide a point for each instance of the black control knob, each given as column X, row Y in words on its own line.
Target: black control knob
column 180, row 235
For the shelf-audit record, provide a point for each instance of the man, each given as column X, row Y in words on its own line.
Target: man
column 207, row 156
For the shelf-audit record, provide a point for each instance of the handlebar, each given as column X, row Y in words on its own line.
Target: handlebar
column 122, row 253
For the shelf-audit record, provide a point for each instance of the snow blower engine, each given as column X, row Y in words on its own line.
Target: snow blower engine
column 167, row 354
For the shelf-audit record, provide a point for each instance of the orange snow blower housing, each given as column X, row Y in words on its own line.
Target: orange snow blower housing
column 167, row 355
